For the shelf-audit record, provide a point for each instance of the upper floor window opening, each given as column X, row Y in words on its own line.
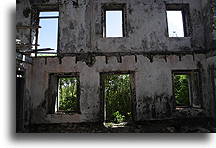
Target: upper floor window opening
column 114, row 20
column 178, row 20
column 175, row 24
column 114, row 26
column 47, row 36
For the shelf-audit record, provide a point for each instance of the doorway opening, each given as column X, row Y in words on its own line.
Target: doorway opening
column 118, row 95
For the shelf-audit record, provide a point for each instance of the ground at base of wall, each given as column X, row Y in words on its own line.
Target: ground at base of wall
column 192, row 125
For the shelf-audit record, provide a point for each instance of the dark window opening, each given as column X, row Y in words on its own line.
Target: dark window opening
column 114, row 20
column 46, row 37
column 178, row 20
column 118, row 92
column 186, row 89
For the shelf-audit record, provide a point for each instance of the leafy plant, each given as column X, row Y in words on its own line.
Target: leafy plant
column 118, row 98
column 118, row 118
column 182, row 90
column 68, row 94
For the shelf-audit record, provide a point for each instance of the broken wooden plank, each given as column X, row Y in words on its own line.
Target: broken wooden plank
column 28, row 27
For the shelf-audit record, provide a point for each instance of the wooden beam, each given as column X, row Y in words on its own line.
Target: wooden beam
column 28, row 27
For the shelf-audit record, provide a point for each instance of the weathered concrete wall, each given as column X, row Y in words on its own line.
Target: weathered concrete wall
column 80, row 32
column 146, row 27
column 153, row 83
column 209, row 62
column 209, row 86
column 214, row 20
column 207, row 19
column 23, row 18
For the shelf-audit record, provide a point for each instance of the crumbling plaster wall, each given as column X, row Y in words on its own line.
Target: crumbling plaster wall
column 81, row 28
column 146, row 28
column 153, row 83
column 23, row 18
column 80, row 32
column 209, row 89
column 207, row 19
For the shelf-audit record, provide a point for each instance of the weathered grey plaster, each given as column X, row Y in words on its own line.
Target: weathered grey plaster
column 80, row 31
column 23, row 18
column 153, row 83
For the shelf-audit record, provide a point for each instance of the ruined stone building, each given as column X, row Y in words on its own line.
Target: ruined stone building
column 146, row 49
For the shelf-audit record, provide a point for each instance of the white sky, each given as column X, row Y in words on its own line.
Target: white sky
column 175, row 24
column 49, row 31
column 114, row 24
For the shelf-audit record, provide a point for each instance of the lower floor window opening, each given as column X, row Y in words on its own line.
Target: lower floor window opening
column 68, row 95
column 182, row 90
column 187, row 91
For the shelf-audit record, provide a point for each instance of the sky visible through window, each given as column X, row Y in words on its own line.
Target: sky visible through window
column 48, row 34
column 114, row 26
column 175, row 24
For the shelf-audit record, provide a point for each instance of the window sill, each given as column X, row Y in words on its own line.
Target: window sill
column 179, row 38
column 183, row 107
column 114, row 37
column 66, row 113
column 180, row 108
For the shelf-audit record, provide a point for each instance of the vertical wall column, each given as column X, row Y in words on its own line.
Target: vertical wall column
column 89, row 94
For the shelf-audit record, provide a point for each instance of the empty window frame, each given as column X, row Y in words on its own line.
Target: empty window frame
column 64, row 93
column 186, row 88
column 47, row 36
column 178, row 20
column 67, row 100
column 114, row 20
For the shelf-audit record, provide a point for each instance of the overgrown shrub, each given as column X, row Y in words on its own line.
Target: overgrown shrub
column 181, row 90
column 118, row 98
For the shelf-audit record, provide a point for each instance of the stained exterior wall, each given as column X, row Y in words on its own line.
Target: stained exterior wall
column 146, row 27
column 153, row 83
column 80, row 31
column 23, row 18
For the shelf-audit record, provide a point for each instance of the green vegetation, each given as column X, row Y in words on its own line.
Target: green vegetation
column 182, row 90
column 68, row 100
column 118, row 98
